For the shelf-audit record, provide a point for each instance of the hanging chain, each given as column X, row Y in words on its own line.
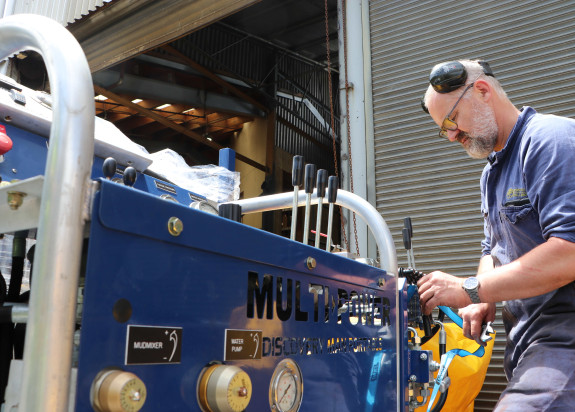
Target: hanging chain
column 344, row 24
column 332, row 121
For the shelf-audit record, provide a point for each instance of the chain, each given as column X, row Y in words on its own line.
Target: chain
column 344, row 24
column 332, row 121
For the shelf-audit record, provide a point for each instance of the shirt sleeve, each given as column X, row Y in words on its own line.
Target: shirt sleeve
column 548, row 149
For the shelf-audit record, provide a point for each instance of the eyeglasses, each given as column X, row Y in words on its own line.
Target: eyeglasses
column 449, row 124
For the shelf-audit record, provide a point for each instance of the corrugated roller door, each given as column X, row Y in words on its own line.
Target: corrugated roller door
column 529, row 45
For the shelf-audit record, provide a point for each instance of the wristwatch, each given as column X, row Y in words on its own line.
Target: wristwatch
column 471, row 286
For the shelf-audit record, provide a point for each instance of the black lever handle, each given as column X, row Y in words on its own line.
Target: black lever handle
column 406, row 238
column 297, row 171
column 332, row 187
column 321, row 182
column 310, row 171
column 109, row 167
column 130, row 176
column 408, row 226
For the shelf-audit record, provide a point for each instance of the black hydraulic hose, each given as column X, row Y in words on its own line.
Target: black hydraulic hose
column 442, row 350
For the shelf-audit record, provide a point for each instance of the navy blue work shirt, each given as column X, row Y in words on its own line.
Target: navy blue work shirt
column 528, row 196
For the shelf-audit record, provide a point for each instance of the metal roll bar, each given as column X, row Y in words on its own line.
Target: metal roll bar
column 362, row 208
column 49, row 337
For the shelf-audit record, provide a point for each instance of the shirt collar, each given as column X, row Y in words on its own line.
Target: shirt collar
column 525, row 115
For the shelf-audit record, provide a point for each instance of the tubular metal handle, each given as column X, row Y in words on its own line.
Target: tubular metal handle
column 355, row 203
column 50, row 331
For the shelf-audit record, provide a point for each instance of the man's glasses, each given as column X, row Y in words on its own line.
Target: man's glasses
column 448, row 123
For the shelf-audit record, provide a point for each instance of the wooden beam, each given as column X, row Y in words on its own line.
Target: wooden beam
column 180, row 129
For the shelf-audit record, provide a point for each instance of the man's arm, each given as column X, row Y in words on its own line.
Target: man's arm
column 545, row 268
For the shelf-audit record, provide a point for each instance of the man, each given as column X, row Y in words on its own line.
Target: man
column 528, row 256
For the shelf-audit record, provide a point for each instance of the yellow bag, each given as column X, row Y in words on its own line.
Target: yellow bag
column 466, row 373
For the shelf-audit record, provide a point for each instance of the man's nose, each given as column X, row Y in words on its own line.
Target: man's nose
column 452, row 135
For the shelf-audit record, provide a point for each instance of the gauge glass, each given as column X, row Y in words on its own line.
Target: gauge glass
column 286, row 387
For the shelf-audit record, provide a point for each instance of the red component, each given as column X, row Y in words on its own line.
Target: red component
column 5, row 141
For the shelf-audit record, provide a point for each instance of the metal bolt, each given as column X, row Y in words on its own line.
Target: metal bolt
column 175, row 226
column 413, row 378
column 15, row 199
column 311, row 263
column 423, row 356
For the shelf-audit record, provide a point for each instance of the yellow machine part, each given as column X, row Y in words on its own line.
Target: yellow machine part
column 467, row 374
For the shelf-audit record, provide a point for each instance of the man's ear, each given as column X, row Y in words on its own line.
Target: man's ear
column 484, row 89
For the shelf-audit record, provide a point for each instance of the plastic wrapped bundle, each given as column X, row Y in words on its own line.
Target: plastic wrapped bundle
column 214, row 182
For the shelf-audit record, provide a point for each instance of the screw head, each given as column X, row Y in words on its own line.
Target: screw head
column 311, row 263
column 423, row 356
column 175, row 226
column 413, row 378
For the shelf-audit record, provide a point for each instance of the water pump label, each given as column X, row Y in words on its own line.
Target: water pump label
column 147, row 345
column 243, row 344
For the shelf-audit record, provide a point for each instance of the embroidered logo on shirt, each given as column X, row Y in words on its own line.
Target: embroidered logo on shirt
column 516, row 197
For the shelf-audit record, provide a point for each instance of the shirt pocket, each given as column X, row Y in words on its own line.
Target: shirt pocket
column 515, row 215
column 520, row 228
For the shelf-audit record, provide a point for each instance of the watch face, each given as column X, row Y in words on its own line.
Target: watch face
column 471, row 283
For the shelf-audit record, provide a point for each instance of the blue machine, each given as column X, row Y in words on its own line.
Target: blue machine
column 178, row 309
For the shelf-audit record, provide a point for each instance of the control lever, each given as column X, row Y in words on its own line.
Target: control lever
column 407, row 233
column 130, row 176
column 109, row 167
column 296, row 181
column 320, row 191
column 332, row 187
column 309, row 184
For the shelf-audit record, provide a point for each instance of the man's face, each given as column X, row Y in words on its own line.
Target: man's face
column 477, row 128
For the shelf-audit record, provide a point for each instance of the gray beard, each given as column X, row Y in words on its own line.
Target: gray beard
column 483, row 136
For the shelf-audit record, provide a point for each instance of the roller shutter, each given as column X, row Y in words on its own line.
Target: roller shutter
column 529, row 45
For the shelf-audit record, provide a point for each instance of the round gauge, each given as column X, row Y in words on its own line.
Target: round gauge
column 224, row 388
column 286, row 387
column 117, row 390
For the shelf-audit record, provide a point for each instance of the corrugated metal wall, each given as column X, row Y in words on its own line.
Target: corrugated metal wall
column 529, row 45
column 63, row 11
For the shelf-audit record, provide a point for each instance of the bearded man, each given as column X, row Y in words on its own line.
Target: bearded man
column 528, row 253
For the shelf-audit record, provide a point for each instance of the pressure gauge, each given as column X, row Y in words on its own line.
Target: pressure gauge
column 286, row 387
column 224, row 388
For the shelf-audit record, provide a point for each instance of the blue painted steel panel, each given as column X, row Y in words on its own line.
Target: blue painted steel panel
column 202, row 281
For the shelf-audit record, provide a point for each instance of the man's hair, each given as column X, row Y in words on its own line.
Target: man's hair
column 474, row 71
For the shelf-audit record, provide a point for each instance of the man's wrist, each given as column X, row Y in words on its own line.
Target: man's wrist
column 471, row 286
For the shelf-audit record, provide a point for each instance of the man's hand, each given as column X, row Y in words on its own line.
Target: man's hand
column 438, row 288
column 474, row 317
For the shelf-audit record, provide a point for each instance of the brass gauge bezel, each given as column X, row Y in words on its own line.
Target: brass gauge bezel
column 290, row 368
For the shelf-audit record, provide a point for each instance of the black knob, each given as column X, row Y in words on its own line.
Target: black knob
column 230, row 211
column 321, row 182
column 332, row 186
column 309, row 178
column 297, row 171
column 130, row 176
column 109, row 167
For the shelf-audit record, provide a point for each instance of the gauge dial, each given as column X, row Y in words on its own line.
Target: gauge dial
column 116, row 390
column 224, row 388
column 286, row 387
